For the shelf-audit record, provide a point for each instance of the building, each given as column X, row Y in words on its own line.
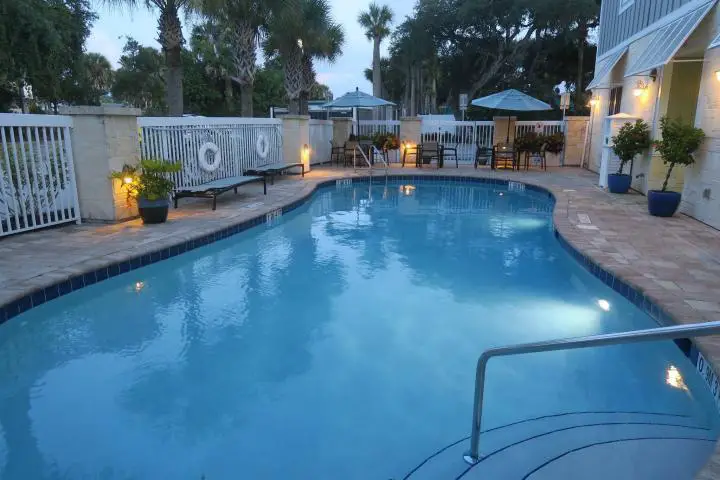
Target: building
column 657, row 58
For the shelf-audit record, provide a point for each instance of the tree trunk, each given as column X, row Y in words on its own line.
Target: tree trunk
column 377, row 74
column 413, row 93
column 579, row 92
column 303, row 103
column 244, row 57
column 293, row 69
column 294, row 106
column 171, row 39
column 246, row 100
column 229, row 104
column 173, row 82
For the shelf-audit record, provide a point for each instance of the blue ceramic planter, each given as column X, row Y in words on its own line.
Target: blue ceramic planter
column 619, row 183
column 663, row 204
column 153, row 211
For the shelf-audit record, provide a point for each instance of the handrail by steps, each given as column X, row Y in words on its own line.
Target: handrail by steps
column 637, row 336
column 358, row 149
column 378, row 154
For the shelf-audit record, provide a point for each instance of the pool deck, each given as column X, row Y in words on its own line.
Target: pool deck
column 675, row 261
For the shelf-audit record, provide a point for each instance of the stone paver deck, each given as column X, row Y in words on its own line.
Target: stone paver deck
column 674, row 261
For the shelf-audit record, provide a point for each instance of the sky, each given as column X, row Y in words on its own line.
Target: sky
column 107, row 37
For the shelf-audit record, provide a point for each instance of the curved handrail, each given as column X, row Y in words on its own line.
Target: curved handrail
column 636, row 336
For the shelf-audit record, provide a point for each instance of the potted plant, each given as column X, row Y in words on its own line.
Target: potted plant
column 631, row 140
column 530, row 142
column 149, row 183
column 553, row 143
column 679, row 143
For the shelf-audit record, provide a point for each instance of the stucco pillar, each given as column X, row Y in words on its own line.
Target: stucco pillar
column 342, row 128
column 501, row 129
column 575, row 140
column 296, row 139
column 410, row 131
column 103, row 139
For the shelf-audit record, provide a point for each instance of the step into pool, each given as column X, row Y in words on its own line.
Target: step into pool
column 339, row 341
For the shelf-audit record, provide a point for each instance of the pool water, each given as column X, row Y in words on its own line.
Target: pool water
column 338, row 343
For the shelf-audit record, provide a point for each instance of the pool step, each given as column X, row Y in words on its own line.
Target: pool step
column 516, row 450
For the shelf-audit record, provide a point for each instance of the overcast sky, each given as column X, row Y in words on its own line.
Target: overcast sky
column 342, row 76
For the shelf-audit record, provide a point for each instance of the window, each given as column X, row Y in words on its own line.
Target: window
column 624, row 5
column 615, row 100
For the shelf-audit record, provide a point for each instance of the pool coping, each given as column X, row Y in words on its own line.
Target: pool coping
column 127, row 262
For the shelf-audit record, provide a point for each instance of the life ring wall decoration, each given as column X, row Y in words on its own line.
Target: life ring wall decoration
column 213, row 149
column 262, row 146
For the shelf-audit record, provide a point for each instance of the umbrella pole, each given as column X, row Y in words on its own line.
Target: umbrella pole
column 507, row 139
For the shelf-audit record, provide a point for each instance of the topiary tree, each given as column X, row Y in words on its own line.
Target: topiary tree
column 679, row 142
column 631, row 140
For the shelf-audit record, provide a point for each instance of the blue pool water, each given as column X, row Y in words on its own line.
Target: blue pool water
column 339, row 343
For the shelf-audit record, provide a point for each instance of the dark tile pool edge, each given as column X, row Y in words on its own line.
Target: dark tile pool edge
column 113, row 269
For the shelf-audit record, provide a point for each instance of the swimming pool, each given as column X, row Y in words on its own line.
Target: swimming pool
column 340, row 342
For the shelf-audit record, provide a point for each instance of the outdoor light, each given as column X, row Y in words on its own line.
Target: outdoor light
column 640, row 88
column 604, row 304
column 717, row 75
column 594, row 101
column 306, row 151
column 127, row 180
column 674, row 378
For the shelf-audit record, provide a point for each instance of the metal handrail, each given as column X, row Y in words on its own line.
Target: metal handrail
column 636, row 336
column 358, row 149
column 381, row 156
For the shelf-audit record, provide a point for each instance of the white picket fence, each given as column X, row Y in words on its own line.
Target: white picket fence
column 321, row 135
column 465, row 137
column 37, row 175
column 540, row 127
column 239, row 141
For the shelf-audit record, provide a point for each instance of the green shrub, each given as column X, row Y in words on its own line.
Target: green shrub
column 679, row 143
column 631, row 140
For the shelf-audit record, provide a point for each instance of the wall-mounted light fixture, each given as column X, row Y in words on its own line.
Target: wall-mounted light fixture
column 306, row 153
column 717, row 75
column 640, row 88
column 128, row 180
column 594, row 101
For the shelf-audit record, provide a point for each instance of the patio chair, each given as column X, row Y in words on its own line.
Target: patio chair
column 483, row 155
column 349, row 152
column 216, row 187
column 273, row 169
column 427, row 152
column 504, row 155
column 336, row 153
column 541, row 155
column 450, row 152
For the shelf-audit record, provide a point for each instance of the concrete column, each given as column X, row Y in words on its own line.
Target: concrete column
column 342, row 128
column 501, row 129
column 575, row 140
column 410, row 130
column 296, row 137
column 103, row 139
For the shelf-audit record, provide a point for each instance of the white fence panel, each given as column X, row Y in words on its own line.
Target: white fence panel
column 539, row 127
column 242, row 143
column 37, row 175
column 463, row 136
column 321, row 135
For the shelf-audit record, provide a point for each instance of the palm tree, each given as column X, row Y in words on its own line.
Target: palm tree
column 211, row 43
column 376, row 22
column 298, row 34
column 99, row 73
column 171, row 40
column 246, row 21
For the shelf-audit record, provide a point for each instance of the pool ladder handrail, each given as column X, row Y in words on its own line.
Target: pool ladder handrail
column 362, row 152
column 637, row 336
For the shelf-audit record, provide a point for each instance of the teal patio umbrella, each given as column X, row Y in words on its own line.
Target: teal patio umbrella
column 358, row 99
column 512, row 100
